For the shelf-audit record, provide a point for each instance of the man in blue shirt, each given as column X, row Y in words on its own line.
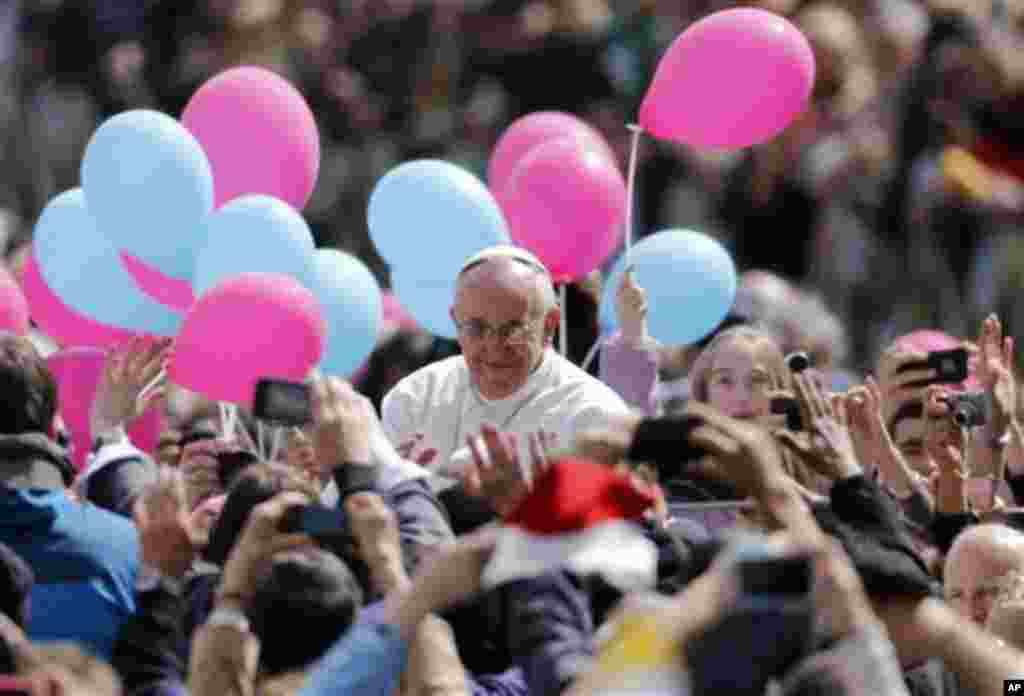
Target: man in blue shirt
column 85, row 559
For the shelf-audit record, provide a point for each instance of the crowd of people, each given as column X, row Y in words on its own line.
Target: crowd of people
column 507, row 523
column 827, row 489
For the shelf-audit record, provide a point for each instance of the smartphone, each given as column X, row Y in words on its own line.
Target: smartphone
column 665, row 443
column 950, row 366
column 230, row 464
column 15, row 686
column 317, row 521
column 284, row 403
column 790, row 408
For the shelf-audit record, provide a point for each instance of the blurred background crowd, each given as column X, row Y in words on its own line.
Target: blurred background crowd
column 892, row 204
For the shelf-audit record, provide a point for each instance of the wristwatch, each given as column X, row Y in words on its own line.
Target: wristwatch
column 222, row 616
column 151, row 579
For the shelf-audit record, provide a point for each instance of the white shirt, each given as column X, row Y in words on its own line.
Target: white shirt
column 441, row 402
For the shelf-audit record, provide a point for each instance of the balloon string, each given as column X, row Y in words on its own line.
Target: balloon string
column 631, row 185
column 275, row 444
column 229, row 430
column 154, row 383
column 223, row 417
column 563, row 329
column 591, row 354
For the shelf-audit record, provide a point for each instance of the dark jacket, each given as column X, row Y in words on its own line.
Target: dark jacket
column 147, row 654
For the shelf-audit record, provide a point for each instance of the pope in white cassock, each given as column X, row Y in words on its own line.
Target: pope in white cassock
column 508, row 376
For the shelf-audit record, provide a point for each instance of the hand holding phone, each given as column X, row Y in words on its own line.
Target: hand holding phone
column 948, row 366
column 318, row 521
column 285, row 403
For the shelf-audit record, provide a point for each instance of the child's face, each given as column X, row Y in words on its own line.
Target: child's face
column 739, row 384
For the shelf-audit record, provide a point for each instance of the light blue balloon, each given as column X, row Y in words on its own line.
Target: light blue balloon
column 149, row 186
column 255, row 234
column 352, row 306
column 84, row 269
column 433, row 213
column 690, row 280
column 429, row 301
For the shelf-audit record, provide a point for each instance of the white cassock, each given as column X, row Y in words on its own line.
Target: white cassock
column 441, row 402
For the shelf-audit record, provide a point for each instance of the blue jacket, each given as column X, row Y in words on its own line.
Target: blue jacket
column 85, row 561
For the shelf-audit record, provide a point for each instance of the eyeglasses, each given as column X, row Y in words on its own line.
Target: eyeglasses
column 513, row 333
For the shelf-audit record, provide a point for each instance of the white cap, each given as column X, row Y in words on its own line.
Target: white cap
column 505, row 251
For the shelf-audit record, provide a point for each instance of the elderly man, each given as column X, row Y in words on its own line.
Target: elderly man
column 980, row 561
column 508, row 375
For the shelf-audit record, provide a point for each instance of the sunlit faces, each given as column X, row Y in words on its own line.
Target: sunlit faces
column 739, row 384
column 503, row 328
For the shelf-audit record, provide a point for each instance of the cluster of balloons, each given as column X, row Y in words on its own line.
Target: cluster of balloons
column 561, row 190
column 192, row 229
column 731, row 80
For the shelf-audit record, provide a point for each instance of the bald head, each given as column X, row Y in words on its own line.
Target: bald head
column 978, row 562
column 993, row 540
column 510, row 274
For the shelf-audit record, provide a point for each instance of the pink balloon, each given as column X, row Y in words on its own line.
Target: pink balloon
column 259, row 135
column 567, row 205
column 13, row 306
column 529, row 131
column 735, row 78
column 176, row 294
column 61, row 323
column 250, row 326
column 77, row 371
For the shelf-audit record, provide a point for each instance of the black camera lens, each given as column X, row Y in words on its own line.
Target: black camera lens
column 798, row 362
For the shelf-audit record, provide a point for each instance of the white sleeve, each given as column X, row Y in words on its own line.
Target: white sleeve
column 396, row 415
column 596, row 416
column 397, row 425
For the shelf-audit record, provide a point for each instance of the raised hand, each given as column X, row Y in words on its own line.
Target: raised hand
column 995, row 371
column 631, row 303
column 259, row 541
column 167, row 535
column 496, row 472
column 827, row 446
column 124, row 392
column 749, row 456
column 343, row 422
